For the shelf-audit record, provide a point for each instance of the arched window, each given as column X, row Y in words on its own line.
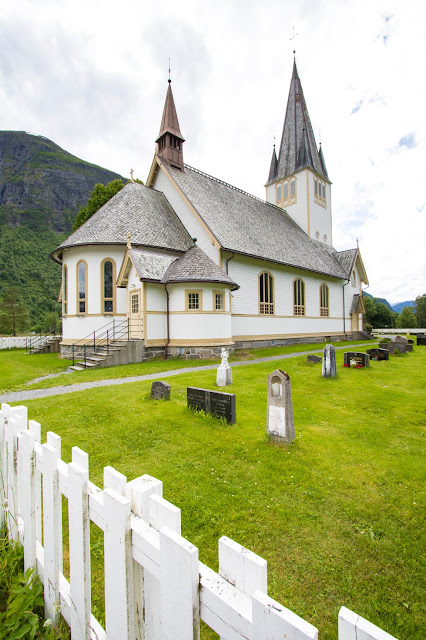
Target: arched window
column 299, row 297
column 278, row 192
column 108, row 286
column 81, row 287
column 324, row 305
column 64, row 290
column 266, row 294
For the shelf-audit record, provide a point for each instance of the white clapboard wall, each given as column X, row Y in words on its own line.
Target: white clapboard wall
column 155, row 586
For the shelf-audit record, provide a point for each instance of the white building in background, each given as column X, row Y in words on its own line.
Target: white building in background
column 189, row 263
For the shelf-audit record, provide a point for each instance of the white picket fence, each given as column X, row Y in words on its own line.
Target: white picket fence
column 14, row 342
column 155, row 586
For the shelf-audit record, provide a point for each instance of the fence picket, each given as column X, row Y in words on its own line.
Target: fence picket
column 79, row 547
column 3, row 471
column 353, row 627
column 28, row 480
column 35, row 427
column 119, row 613
column 52, row 532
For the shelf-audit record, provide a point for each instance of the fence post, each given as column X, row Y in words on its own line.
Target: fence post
column 52, row 532
column 107, row 341
column 94, row 341
column 79, row 545
column 35, row 427
column 73, row 362
column 353, row 627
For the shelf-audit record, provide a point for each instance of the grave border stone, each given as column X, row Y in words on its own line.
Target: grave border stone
column 216, row 403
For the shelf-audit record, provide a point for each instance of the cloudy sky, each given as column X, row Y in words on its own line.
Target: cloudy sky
column 91, row 75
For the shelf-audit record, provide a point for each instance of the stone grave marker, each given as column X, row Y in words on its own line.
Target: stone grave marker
column 395, row 344
column 402, row 339
column 219, row 404
column 356, row 359
column 329, row 362
column 224, row 371
column 160, row 390
column 421, row 339
column 313, row 358
column 279, row 416
column 378, row 354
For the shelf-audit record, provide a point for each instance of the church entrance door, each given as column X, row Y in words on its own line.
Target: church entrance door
column 135, row 315
column 354, row 322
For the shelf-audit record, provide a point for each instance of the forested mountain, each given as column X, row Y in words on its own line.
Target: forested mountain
column 400, row 305
column 42, row 188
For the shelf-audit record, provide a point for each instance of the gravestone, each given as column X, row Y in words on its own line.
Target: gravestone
column 219, row 404
column 160, row 390
column 279, row 416
column 391, row 346
column 329, row 362
column 408, row 347
column 316, row 359
column 402, row 339
column 421, row 339
column 224, row 372
column 378, row 354
column 356, row 359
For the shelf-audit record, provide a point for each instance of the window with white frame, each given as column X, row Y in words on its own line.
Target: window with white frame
column 324, row 301
column 81, row 287
column 298, row 297
column 266, row 294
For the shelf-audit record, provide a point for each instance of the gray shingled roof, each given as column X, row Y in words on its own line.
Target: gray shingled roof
column 346, row 260
column 144, row 213
column 196, row 266
column 151, row 265
column 244, row 224
column 298, row 148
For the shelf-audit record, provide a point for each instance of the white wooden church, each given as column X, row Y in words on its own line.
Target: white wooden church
column 189, row 263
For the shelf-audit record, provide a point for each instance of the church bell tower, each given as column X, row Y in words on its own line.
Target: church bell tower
column 298, row 180
column 170, row 140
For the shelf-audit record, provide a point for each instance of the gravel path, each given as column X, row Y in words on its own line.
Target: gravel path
column 34, row 394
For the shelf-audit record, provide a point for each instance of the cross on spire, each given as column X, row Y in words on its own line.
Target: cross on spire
column 294, row 42
column 169, row 81
column 131, row 174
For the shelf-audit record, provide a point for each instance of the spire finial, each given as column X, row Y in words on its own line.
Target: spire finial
column 131, row 175
column 169, row 80
column 294, row 43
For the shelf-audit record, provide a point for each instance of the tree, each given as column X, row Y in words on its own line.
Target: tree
column 13, row 315
column 378, row 314
column 99, row 196
column 420, row 311
column 370, row 310
column 51, row 322
column 406, row 319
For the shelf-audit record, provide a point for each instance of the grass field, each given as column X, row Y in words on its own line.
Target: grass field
column 338, row 515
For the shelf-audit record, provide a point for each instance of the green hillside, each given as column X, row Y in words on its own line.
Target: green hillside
column 42, row 188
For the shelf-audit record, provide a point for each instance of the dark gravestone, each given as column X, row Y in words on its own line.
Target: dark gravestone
column 160, row 390
column 421, row 340
column 329, row 362
column 391, row 346
column 378, row 354
column 356, row 359
column 219, row 404
column 410, row 341
column 316, row 359
column 408, row 347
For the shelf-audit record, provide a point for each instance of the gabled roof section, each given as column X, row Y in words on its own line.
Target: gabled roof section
column 150, row 265
column 170, row 122
column 144, row 213
column 244, row 224
column 348, row 259
column 357, row 305
column 196, row 266
column 298, row 148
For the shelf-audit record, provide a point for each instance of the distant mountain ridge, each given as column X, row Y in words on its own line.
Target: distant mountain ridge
column 398, row 306
column 42, row 187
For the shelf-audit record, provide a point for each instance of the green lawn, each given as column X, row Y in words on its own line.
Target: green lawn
column 338, row 515
column 17, row 372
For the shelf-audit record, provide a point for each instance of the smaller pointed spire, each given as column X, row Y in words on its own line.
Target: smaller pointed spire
column 322, row 161
column 274, row 167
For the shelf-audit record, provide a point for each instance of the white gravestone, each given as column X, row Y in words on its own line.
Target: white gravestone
column 224, row 372
column 279, row 417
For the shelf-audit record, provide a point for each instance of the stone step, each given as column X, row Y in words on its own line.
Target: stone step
column 75, row 367
column 87, row 364
column 96, row 358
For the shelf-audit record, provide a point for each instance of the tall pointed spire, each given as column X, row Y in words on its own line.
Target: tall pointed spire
column 298, row 148
column 170, row 139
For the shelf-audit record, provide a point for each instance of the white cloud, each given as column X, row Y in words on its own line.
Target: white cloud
column 92, row 76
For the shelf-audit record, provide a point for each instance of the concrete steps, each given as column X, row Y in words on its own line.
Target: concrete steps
column 100, row 358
